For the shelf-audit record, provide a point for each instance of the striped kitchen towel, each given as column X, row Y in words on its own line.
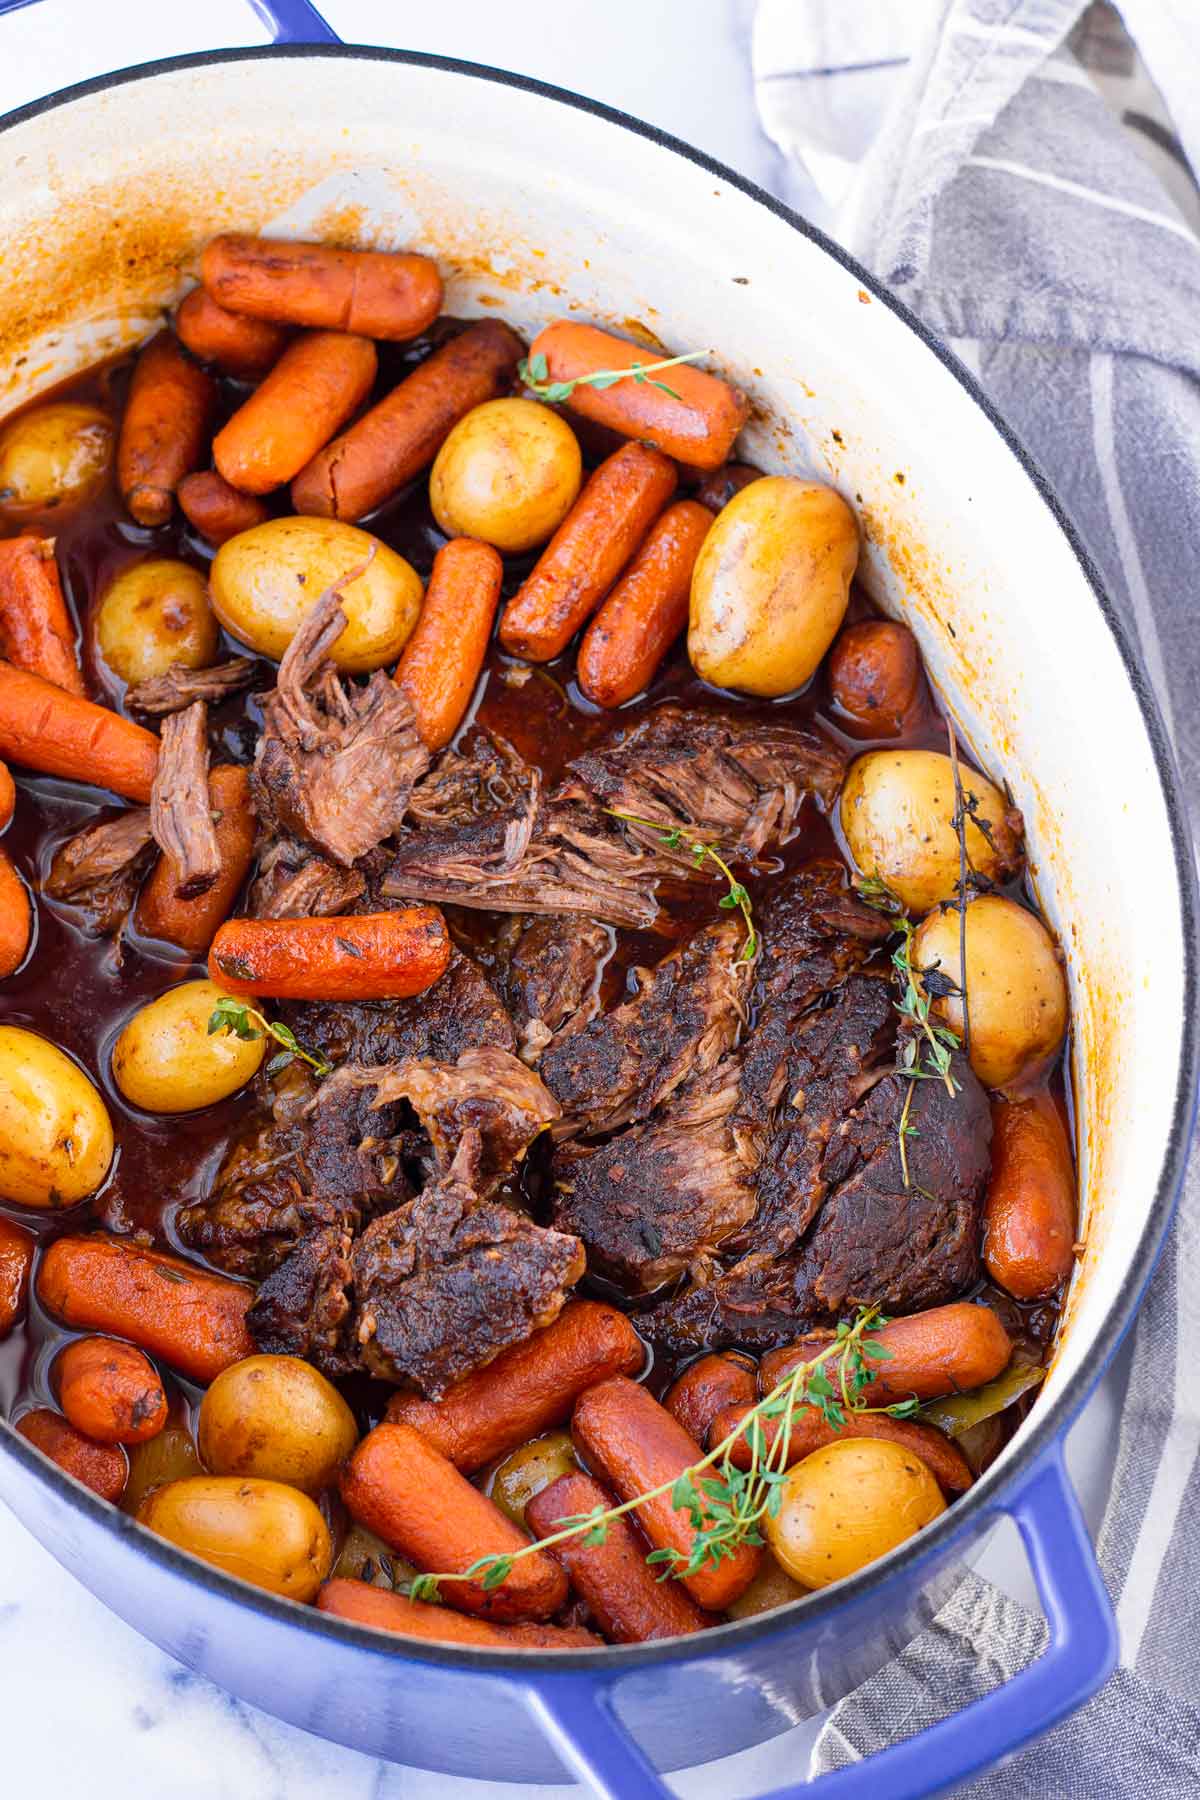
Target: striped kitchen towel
column 972, row 154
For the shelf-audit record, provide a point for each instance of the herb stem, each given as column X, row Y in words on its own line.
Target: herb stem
column 245, row 1021
column 699, row 851
column 534, row 372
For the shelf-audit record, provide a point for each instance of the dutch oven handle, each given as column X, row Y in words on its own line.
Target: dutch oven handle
column 576, row 1711
column 294, row 22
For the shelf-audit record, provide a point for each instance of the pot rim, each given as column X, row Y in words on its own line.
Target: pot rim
column 1049, row 1421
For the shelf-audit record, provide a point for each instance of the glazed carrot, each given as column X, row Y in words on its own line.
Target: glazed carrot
column 192, row 924
column 380, row 293
column 619, row 503
column 718, row 489
column 16, row 918
column 317, row 383
column 241, row 346
column 697, row 423
column 16, row 1260
column 810, row 1432
column 102, row 1467
column 8, row 796
column 527, row 1388
column 216, row 510
column 370, row 956
column 442, row 659
column 399, row 437
column 407, row 1493
column 622, row 1591
column 707, row 1386
column 110, row 1392
column 55, row 733
column 367, row 1605
column 189, row 1317
column 1029, row 1212
column 35, row 628
column 635, row 1444
column 646, row 611
column 164, row 433
column 875, row 676
column 943, row 1351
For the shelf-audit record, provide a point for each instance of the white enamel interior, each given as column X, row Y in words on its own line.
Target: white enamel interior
column 533, row 208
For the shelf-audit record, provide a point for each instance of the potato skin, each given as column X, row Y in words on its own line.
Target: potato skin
column 166, row 1060
column 530, row 1469
column 154, row 614
column 264, row 580
column 771, row 1587
column 51, row 456
column 897, row 811
column 171, row 1456
column 1016, row 990
column 266, row 1533
column 56, row 1138
column 508, row 473
column 278, row 1418
column 770, row 586
column 848, row 1504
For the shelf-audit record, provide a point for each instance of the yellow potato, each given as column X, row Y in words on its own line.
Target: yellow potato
column 1016, row 989
column 153, row 614
column 167, row 1061
column 508, row 473
column 268, row 1534
column 171, row 1456
column 52, row 455
column 56, row 1138
column 898, row 811
column 848, row 1504
column 277, row 1417
column 771, row 1587
column 530, row 1469
column 770, row 585
column 264, row 581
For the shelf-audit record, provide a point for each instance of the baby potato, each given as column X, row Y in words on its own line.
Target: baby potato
column 56, row 1138
column 365, row 1557
column 848, row 1504
column 898, row 811
column 264, row 580
column 153, row 614
column 171, row 1456
column 277, row 1417
column 269, row 1534
column 508, row 473
column 771, row 1587
column 530, row 1469
column 1016, row 989
column 770, row 585
column 167, row 1061
column 52, row 455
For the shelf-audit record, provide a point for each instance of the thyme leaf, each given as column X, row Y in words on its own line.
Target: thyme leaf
column 534, row 372
column 738, row 896
column 246, row 1022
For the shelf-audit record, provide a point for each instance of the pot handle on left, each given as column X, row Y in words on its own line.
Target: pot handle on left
column 294, row 22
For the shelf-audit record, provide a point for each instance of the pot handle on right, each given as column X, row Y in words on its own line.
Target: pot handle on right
column 577, row 1715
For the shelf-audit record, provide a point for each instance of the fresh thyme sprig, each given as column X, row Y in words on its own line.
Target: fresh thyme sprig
column 700, row 852
column 247, row 1022
column 534, row 371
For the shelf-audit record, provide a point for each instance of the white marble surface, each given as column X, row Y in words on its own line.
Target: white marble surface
column 86, row 1706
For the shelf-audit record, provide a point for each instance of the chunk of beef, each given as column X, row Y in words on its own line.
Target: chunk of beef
column 461, row 1011
column 336, row 762
column 180, row 814
column 447, row 1281
column 101, row 869
column 181, row 686
column 684, row 1017
column 551, row 969
column 304, row 1308
column 752, row 1305
column 292, row 883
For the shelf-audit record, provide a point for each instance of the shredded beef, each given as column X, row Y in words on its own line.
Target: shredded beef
column 292, row 883
column 550, row 969
column 101, row 869
column 304, row 1307
column 181, row 686
column 180, row 813
column 461, row 1011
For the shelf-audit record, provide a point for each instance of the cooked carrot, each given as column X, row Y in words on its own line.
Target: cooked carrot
column 188, row 1317
column 619, row 503
column 102, row 1467
column 8, row 796
column 56, row 733
column 442, row 659
column 239, row 345
column 16, row 918
column 216, row 510
column 622, row 1591
column 192, row 924
column 943, row 1351
column 35, row 628
column 718, row 489
column 407, row 1493
column 811, row 1432
column 707, row 1386
column 367, row 1605
column 646, row 611
column 527, row 1388
column 318, row 382
column 635, row 1444
column 110, row 1391
column 697, row 423
column 164, row 433
column 16, row 1260
column 380, row 293
column 391, row 444
column 370, row 956
column 875, row 676
column 1029, row 1213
